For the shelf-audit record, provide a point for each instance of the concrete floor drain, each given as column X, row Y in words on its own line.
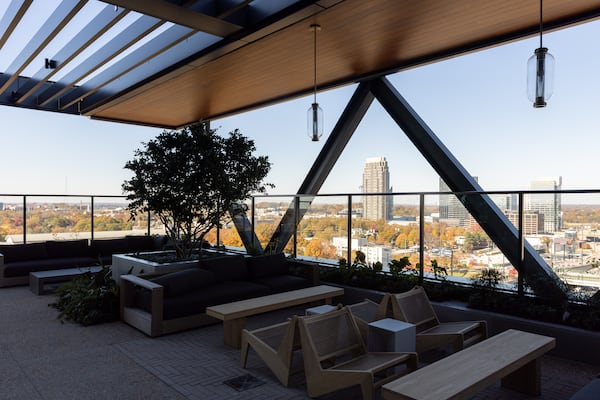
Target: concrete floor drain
column 244, row 382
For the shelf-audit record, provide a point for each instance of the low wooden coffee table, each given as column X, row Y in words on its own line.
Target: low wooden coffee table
column 234, row 314
column 39, row 279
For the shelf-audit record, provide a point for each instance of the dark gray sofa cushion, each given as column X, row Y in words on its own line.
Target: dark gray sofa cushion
column 67, row 248
column 283, row 283
column 197, row 301
column 181, row 282
column 23, row 252
column 108, row 247
column 267, row 265
column 140, row 243
column 23, row 268
column 228, row 268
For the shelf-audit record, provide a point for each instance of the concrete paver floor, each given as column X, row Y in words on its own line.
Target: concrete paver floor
column 44, row 359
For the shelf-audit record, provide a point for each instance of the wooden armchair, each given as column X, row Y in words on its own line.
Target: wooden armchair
column 275, row 344
column 368, row 311
column 414, row 307
column 335, row 356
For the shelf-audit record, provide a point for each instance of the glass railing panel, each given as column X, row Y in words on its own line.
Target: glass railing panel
column 58, row 218
column 402, row 231
column 462, row 248
column 323, row 231
column 372, row 234
column 574, row 251
column 268, row 213
column 11, row 219
column 113, row 220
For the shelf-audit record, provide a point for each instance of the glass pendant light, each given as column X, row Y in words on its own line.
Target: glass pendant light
column 540, row 73
column 315, row 113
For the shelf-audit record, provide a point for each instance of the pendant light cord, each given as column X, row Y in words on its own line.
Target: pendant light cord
column 541, row 23
column 315, row 27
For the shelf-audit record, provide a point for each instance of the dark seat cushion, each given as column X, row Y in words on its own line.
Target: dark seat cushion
column 67, row 248
column 228, row 268
column 23, row 252
column 23, row 268
column 181, row 282
column 268, row 265
column 108, row 247
column 197, row 301
column 140, row 243
column 283, row 283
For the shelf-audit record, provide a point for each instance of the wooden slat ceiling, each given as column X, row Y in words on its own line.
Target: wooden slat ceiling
column 273, row 61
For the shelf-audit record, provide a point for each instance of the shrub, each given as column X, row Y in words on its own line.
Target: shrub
column 89, row 299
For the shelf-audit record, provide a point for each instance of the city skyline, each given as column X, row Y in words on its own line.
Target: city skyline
column 476, row 104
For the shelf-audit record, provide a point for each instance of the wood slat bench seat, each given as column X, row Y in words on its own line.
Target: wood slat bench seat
column 512, row 356
column 234, row 314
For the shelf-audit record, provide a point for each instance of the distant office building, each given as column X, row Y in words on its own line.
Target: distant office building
column 376, row 179
column 547, row 204
column 373, row 254
column 341, row 244
column 533, row 221
column 452, row 210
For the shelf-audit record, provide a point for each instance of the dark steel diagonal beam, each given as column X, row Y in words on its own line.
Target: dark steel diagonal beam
column 537, row 273
column 332, row 149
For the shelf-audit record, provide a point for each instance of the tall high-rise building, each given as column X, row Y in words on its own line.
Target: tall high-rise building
column 452, row 210
column 547, row 204
column 376, row 179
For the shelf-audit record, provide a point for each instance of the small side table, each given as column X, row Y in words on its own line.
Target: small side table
column 392, row 335
column 320, row 309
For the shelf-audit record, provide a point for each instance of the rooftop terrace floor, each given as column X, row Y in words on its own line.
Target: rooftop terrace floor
column 42, row 358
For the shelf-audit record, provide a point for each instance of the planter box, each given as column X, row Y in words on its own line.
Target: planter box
column 123, row 264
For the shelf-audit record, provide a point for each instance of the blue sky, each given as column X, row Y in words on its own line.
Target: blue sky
column 476, row 104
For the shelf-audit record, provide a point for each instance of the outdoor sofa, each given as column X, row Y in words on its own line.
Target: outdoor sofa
column 176, row 301
column 18, row 260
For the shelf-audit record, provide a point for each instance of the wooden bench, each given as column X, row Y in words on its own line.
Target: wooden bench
column 38, row 280
column 512, row 356
column 234, row 314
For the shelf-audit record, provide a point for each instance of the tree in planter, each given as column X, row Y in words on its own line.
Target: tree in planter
column 190, row 179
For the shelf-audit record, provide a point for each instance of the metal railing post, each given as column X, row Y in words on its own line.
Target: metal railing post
column 520, row 289
column 92, row 218
column 349, row 229
column 421, row 236
column 24, row 219
column 252, row 216
column 296, row 217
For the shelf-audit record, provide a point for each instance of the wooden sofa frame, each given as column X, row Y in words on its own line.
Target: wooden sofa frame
column 153, row 323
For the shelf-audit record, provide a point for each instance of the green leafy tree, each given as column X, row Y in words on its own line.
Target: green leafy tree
column 190, row 179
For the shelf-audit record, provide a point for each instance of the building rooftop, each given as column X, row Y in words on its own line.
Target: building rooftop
column 44, row 359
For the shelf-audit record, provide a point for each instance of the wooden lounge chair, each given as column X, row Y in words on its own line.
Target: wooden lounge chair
column 335, row 356
column 275, row 344
column 414, row 307
column 368, row 311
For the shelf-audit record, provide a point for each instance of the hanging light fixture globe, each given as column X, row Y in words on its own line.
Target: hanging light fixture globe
column 540, row 73
column 315, row 112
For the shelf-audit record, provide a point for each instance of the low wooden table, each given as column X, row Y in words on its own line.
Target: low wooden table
column 38, row 280
column 234, row 314
column 512, row 356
